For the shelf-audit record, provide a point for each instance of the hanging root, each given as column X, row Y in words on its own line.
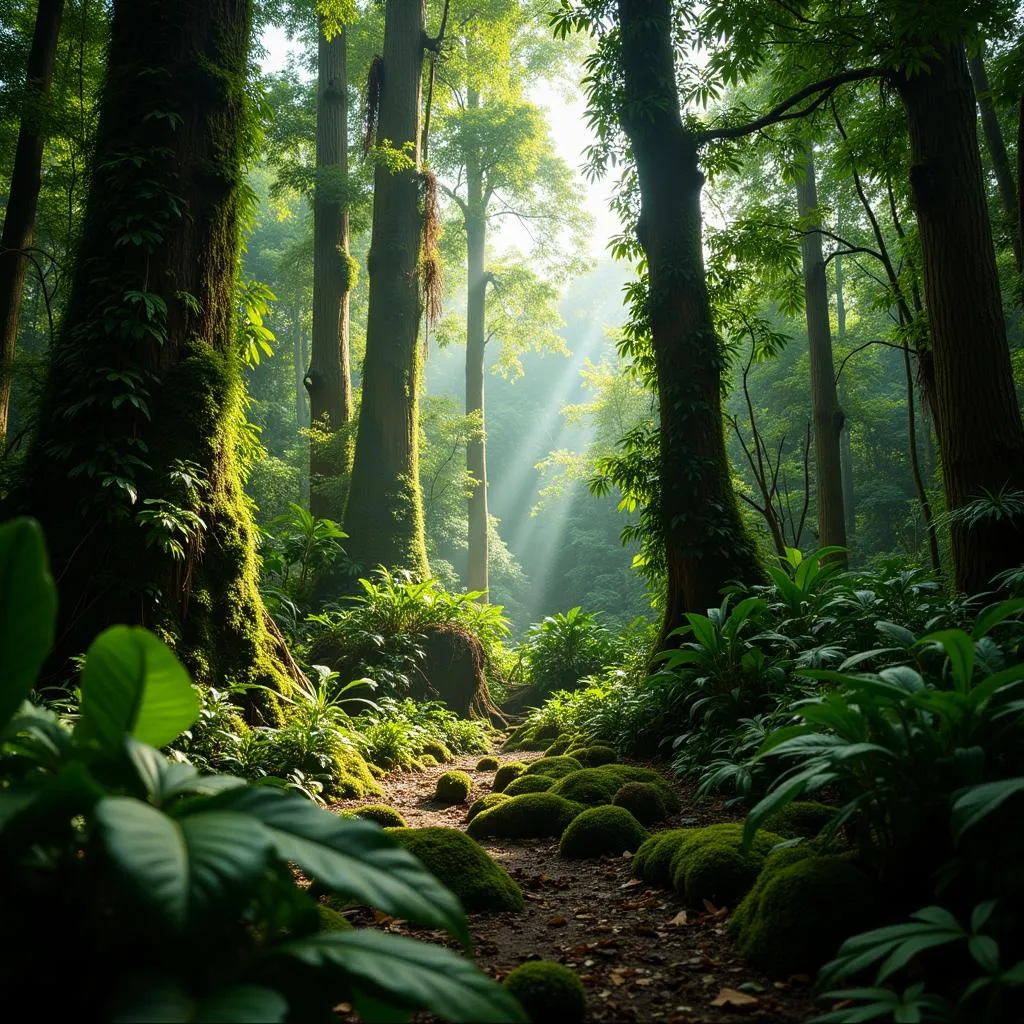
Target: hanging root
column 432, row 282
column 374, row 80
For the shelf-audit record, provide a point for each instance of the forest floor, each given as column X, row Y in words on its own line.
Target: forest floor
column 641, row 955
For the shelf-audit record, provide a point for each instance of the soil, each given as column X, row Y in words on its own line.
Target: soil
column 640, row 954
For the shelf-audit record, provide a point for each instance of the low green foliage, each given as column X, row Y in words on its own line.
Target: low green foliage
column 530, row 816
column 565, row 648
column 549, row 992
column 529, row 784
column 453, row 788
column 643, row 801
column 599, row 831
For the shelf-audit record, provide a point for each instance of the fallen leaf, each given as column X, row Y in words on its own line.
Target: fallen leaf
column 632, row 884
column 627, row 855
column 735, row 1000
column 680, row 919
column 558, row 921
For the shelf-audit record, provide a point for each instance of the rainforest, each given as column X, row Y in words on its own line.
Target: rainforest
column 512, row 510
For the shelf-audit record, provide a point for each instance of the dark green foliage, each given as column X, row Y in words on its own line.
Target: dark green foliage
column 548, row 992
column 554, row 767
column 643, row 801
column 453, row 788
column 529, row 784
column 531, row 736
column 463, row 867
column 385, row 816
column 488, row 764
column 506, row 773
column 601, row 830
column 802, row 819
column 530, row 816
column 484, row 803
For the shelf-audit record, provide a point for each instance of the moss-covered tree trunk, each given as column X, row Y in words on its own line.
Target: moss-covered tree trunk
column 978, row 421
column 23, row 191
column 706, row 542
column 132, row 471
column 384, row 519
column 329, row 379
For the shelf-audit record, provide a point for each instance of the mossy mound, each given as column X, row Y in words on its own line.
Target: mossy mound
column 488, row 764
column 529, row 784
column 801, row 909
column 485, row 803
column 448, row 853
column 506, row 773
column 331, row 920
column 548, row 992
column 802, row 819
column 530, row 816
column 385, row 816
column 718, row 872
column 427, row 761
column 595, row 786
column 643, row 801
column 560, row 746
column 594, row 757
column 453, row 787
column 376, row 771
column 530, row 736
column 353, row 778
column 652, row 861
column 601, row 830
column 554, row 767
column 437, row 750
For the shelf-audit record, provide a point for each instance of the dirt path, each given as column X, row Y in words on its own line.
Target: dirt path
column 640, row 958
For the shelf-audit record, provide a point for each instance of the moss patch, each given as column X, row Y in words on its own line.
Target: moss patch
column 529, row 784
column 532, row 815
column 554, row 767
column 448, row 853
column 488, row 764
column 506, row 773
column 802, row 819
column 548, row 992
column 594, row 757
column 596, row 786
column 485, row 803
column 531, row 737
column 352, row 776
column 438, row 751
column 601, row 830
column 453, row 788
column 331, row 920
column 560, row 746
column 643, row 801
column 426, row 761
column 385, row 816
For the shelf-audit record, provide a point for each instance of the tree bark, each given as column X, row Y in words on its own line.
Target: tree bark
column 384, row 519
column 329, row 380
column 706, row 544
column 142, row 405
column 23, row 193
column 827, row 415
column 981, row 439
column 997, row 153
column 845, row 448
column 915, row 467
column 476, row 341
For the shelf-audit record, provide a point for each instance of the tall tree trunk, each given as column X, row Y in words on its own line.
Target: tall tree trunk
column 845, row 448
column 825, row 410
column 23, row 194
column 300, row 360
column 997, row 152
column 140, row 415
column 384, row 519
column 706, row 544
column 476, row 340
column 329, row 380
column 981, row 439
column 915, row 467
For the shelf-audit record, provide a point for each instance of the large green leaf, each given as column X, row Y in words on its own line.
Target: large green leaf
column 132, row 683
column 155, row 999
column 182, row 864
column 402, row 972
column 972, row 805
column 28, row 611
column 350, row 856
column 165, row 780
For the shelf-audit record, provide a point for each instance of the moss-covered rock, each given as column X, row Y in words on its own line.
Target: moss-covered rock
column 453, row 787
column 488, row 764
column 532, row 815
column 448, row 853
column 554, row 767
column 331, row 920
column 653, row 860
column 352, row 777
column 717, row 872
column 530, row 736
column 427, row 761
column 437, row 750
column 594, row 757
column 485, row 803
column 376, row 771
column 529, row 784
column 506, row 773
column 595, row 786
column 385, row 816
column 601, row 830
column 643, row 801
column 548, row 992
column 802, row 819
column 560, row 746
column 802, row 908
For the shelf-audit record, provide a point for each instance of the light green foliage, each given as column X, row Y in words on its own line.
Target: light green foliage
column 383, row 814
column 599, row 785
column 532, row 815
column 159, row 880
column 601, row 830
column 484, row 804
column 549, row 992
column 529, row 784
column 453, row 788
column 506, row 773
column 564, row 648
column 331, row 920
column 643, row 801
column 554, row 767
column 488, row 764
column 463, row 867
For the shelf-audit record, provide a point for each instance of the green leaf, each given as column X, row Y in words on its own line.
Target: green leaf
column 409, row 974
column 959, row 648
column 972, row 805
column 985, row 951
column 179, row 865
column 242, row 1005
column 994, row 614
column 28, row 611
column 133, row 684
column 165, row 780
